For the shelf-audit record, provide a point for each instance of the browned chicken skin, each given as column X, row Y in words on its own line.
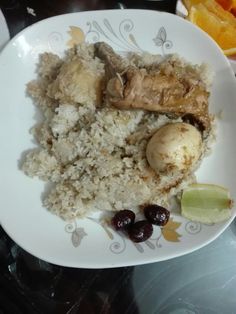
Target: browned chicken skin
column 162, row 89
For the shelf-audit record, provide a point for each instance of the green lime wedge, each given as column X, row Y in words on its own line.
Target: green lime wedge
column 206, row 203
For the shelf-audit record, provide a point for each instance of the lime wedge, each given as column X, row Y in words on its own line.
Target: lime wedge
column 206, row 203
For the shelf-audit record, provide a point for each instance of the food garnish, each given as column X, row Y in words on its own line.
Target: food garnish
column 206, row 203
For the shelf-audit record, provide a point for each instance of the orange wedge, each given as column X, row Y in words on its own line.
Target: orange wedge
column 217, row 9
column 200, row 16
column 233, row 11
column 214, row 7
column 218, row 23
column 189, row 3
column 226, row 4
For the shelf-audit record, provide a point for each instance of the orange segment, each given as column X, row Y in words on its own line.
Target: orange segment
column 226, row 4
column 224, row 15
column 214, row 7
column 227, row 39
column 189, row 3
column 216, row 23
column 200, row 16
column 233, row 11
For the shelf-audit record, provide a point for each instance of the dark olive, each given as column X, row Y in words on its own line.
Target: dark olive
column 123, row 219
column 140, row 231
column 156, row 214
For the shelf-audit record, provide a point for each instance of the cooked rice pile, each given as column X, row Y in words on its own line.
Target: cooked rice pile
column 94, row 154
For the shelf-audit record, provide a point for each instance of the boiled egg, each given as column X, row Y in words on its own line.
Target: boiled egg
column 175, row 147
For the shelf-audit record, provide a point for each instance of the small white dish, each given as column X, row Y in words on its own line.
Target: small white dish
column 86, row 243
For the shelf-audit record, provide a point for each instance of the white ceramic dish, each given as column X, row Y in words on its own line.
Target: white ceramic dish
column 85, row 243
column 181, row 11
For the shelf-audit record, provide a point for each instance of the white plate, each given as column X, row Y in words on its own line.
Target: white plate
column 182, row 11
column 85, row 243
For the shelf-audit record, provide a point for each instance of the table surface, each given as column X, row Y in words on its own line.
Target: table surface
column 199, row 283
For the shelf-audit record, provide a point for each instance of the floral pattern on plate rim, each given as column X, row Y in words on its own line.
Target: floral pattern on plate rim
column 123, row 38
column 167, row 233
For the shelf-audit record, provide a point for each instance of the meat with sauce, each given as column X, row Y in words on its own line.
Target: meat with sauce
column 164, row 88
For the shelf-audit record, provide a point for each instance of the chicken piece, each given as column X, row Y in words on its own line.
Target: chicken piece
column 76, row 82
column 156, row 92
column 130, row 87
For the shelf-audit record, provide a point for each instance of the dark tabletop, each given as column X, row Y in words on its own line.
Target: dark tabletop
column 18, row 18
column 199, row 283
